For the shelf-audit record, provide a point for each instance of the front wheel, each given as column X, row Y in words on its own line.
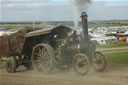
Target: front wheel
column 80, row 64
column 11, row 65
column 99, row 62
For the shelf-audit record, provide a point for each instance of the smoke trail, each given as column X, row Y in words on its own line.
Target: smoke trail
column 78, row 7
column 44, row 24
column 82, row 5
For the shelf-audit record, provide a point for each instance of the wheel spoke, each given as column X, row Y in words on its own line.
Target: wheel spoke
column 46, row 53
column 37, row 54
column 37, row 61
column 85, row 63
column 43, row 51
column 40, row 51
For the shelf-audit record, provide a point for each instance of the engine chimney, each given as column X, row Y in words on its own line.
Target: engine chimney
column 84, row 18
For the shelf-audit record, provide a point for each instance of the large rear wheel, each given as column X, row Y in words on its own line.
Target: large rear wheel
column 42, row 58
column 80, row 64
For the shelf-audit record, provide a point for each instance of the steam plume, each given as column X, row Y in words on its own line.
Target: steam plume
column 78, row 7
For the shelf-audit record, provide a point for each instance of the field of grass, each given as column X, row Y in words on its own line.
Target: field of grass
column 121, row 44
column 106, row 25
column 117, row 58
column 57, row 23
column 19, row 25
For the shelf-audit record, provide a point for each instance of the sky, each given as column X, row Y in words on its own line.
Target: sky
column 60, row 10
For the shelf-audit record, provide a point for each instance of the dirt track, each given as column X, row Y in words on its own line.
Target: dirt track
column 114, row 75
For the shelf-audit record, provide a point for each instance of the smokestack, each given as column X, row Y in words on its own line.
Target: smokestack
column 84, row 18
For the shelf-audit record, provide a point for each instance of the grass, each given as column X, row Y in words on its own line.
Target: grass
column 117, row 58
column 66, row 24
column 19, row 25
column 121, row 44
column 106, row 25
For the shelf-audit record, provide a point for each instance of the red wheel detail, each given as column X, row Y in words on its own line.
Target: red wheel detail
column 9, row 66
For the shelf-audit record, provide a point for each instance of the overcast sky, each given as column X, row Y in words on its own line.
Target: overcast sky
column 60, row 10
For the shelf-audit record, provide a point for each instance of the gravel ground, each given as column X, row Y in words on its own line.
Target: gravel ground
column 113, row 75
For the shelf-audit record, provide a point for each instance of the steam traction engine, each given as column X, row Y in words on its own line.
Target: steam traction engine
column 58, row 47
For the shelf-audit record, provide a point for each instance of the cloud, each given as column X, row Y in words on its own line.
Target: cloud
column 32, row 3
column 55, row 10
column 27, row 11
column 26, row 0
